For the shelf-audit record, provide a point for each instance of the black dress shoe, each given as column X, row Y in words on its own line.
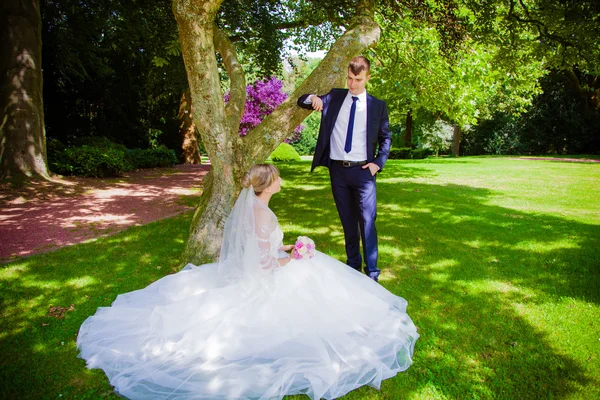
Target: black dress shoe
column 374, row 276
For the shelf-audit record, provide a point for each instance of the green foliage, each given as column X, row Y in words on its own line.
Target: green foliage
column 500, row 274
column 54, row 146
column 564, row 33
column 152, row 158
column 261, row 42
column 285, row 153
column 559, row 122
column 397, row 137
column 401, row 153
column 413, row 73
column 99, row 75
column 101, row 142
column 497, row 135
column 306, row 144
column 100, row 157
column 419, row 154
column 296, row 71
column 90, row 161
column 307, row 141
column 434, row 134
column 404, row 153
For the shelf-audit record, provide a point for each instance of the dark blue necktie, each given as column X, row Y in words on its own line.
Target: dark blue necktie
column 348, row 145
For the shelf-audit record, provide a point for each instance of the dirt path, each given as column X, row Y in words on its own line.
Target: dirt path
column 49, row 215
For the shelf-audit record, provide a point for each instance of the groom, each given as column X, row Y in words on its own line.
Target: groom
column 354, row 143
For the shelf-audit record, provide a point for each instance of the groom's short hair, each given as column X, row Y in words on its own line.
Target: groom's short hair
column 359, row 64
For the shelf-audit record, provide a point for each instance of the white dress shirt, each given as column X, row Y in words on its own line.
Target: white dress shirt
column 359, row 135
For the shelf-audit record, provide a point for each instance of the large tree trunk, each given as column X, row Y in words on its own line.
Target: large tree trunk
column 195, row 20
column 589, row 91
column 231, row 155
column 22, row 134
column 456, row 137
column 408, row 131
column 187, row 130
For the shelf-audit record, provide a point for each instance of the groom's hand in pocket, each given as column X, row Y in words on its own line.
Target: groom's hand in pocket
column 372, row 167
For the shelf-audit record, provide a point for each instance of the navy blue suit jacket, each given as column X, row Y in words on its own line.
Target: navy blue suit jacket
column 379, row 137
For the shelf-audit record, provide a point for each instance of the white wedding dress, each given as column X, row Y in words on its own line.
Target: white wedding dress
column 246, row 328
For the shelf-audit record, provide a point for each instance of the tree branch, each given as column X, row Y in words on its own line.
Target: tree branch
column 237, row 92
column 195, row 22
column 302, row 23
column 205, row 9
column 543, row 31
column 331, row 72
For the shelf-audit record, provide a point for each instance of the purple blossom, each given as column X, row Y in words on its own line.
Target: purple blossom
column 262, row 98
column 297, row 134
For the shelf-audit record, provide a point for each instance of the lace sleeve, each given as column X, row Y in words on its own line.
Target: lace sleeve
column 265, row 224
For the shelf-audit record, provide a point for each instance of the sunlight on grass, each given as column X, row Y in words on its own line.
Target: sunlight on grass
column 497, row 258
column 388, row 275
column 443, row 264
column 39, row 348
column 428, row 391
column 14, row 271
column 81, row 282
column 541, row 247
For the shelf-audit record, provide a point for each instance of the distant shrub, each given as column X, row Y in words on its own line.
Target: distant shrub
column 306, row 144
column 90, row 161
column 305, row 139
column 100, row 157
column 405, row 153
column 54, row 146
column 400, row 154
column 420, row 153
column 152, row 158
column 100, row 142
column 285, row 153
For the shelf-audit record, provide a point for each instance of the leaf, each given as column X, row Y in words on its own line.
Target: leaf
column 159, row 61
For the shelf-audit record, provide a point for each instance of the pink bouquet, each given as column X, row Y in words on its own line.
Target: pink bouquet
column 303, row 249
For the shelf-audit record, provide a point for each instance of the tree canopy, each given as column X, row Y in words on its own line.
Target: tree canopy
column 122, row 70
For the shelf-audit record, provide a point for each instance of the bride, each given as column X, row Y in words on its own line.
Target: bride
column 257, row 324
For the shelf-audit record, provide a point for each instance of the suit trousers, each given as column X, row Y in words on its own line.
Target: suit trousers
column 356, row 201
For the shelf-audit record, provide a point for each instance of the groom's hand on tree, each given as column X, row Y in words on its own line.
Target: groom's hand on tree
column 317, row 103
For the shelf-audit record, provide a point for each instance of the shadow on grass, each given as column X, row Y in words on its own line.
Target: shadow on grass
column 465, row 266
column 39, row 355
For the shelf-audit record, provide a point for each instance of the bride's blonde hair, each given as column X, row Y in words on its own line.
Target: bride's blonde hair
column 260, row 176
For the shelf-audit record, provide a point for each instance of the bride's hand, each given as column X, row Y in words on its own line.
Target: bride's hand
column 284, row 261
column 286, row 247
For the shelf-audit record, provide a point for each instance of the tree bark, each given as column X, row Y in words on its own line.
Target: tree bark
column 22, row 133
column 195, row 21
column 231, row 155
column 456, row 137
column 187, row 130
column 331, row 72
column 589, row 91
column 408, row 131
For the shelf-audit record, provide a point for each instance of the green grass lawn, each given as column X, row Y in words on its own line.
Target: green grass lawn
column 498, row 258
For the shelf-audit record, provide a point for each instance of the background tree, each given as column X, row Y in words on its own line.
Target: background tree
column 112, row 69
column 558, row 122
column 566, row 36
column 231, row 155
column 417, row 79
column 22, row 134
